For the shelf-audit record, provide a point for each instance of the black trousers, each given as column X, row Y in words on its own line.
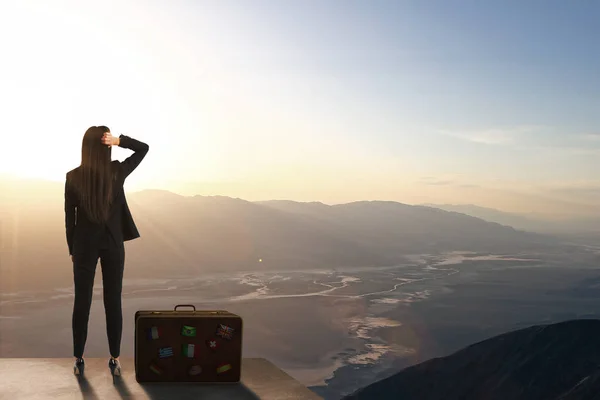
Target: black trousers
column 112, row 260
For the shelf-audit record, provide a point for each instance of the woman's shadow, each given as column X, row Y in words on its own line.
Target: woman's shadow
column 86, row 389
column 122, row 388
column 167, row 391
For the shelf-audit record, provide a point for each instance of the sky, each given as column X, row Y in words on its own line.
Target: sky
column 465, row 102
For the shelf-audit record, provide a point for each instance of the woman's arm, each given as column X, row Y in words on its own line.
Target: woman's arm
column 140, row 150
column 70, row 215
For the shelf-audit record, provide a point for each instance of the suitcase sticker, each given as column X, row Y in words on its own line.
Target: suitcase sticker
column 155, row 368
column 165, row 352
column 189, row 350
column 195, row 370
column 153, row 333
column 212, row 344
column 224, row 331
column 188, row 331
column 222, row 368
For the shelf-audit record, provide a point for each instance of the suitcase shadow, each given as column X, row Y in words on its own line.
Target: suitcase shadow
column 168, row 391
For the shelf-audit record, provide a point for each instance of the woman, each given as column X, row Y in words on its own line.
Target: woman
column 98, row 221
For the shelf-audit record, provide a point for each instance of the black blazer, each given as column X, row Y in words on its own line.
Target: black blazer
column 81, row 232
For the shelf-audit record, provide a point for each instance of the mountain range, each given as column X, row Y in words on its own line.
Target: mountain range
column 558, row 361
column 528, row 222
column 182, row 235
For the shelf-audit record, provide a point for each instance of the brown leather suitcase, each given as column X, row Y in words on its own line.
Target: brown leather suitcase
column 188, row 346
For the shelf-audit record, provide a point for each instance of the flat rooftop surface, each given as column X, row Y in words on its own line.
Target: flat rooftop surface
column 53, row 378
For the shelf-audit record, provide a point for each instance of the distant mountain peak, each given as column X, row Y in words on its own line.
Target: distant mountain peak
column 377, row 202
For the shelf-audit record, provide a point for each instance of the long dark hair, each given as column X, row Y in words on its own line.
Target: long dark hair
column 94, row 178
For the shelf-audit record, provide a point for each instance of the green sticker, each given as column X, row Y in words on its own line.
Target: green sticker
column 188, row 331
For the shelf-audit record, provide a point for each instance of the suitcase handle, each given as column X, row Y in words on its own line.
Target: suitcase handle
column 184, row 305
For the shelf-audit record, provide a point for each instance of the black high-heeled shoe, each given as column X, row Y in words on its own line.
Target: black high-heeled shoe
column 79, row 366
column 115, row 367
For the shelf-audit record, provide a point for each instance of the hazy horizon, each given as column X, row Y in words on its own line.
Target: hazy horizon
column 465, row 207
column 315, row 101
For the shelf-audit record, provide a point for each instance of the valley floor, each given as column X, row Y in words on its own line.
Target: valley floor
column 334, row 330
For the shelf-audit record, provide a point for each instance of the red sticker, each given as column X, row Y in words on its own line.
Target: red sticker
column 212, row 344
